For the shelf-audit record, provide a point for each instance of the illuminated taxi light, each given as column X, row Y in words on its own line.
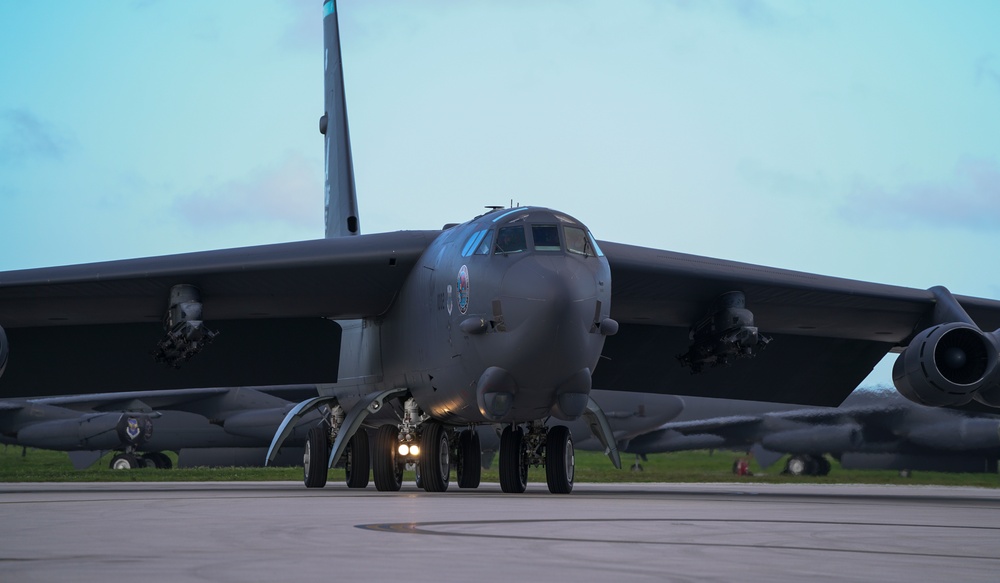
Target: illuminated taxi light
column 403, row 449
column 414, row 450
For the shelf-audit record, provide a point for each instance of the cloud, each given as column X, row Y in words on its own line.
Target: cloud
column 290, row 193
column 970, row 199
column 24, row 136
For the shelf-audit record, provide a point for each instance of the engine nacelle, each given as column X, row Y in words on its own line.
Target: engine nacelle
column 947, row 365
column 4, row 350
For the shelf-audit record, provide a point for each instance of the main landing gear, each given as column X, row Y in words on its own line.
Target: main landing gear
column 807, row 465
column 130, row 460
column 316, row 457
column 541, row 445
column 431, row 447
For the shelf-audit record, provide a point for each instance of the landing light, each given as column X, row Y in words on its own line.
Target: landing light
column 405, row 449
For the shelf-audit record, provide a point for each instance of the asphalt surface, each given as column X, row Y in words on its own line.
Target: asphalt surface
column 277, row 531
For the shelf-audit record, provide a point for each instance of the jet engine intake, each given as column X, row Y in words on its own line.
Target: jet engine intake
column 948, row 365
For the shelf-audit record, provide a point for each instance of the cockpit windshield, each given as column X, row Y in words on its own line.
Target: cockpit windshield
column 522, row 230
column 546, row 237
column 510, row 239
column 580, row 241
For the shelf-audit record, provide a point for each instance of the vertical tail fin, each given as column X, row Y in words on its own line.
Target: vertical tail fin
column 341, row 196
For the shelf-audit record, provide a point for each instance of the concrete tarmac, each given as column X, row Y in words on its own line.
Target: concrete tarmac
column 280, row 531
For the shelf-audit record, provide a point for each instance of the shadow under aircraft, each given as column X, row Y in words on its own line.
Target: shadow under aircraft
column 510, row 318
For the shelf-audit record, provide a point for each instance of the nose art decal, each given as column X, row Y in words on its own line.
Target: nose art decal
column 463, row 289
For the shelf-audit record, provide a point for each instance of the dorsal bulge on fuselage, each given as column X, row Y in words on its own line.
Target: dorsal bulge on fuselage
column 510, row 305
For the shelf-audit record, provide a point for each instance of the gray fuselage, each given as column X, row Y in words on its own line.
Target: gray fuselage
column 490, row 327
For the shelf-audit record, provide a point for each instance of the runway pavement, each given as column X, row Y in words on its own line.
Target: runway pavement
column 279, row 531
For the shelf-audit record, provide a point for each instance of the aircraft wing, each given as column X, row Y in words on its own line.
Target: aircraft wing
column 812, row 428
column 827, row 333
column 269, row 305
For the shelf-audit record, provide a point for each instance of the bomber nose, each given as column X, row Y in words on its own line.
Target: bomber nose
column 547, row 305
column 548, row 294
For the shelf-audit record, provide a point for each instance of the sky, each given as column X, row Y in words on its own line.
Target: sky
column 856, row 139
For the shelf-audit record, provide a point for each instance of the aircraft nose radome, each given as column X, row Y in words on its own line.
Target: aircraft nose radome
column 548, row 306
column 550, row 279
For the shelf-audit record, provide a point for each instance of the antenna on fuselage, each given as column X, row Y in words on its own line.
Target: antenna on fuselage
column 341, row 196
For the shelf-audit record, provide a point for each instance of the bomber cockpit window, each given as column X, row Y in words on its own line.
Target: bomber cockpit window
column 483, row 248
column 510, row 240
column 546, row 237
column 580, row 241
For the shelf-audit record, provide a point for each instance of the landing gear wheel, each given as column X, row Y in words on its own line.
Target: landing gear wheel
column 469, row 465
column 800, row 465
column 435, row 458
column 125, row 461
column 560, row 460
column 822, row 466
column 387, row 472
column 357, row 460
column 159, row 460
column 513, row 461
column 314, row 458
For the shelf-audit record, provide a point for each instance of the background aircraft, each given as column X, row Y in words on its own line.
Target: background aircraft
column 462, row 331
column 872, row 429
column 233, row 426
column 211, row 426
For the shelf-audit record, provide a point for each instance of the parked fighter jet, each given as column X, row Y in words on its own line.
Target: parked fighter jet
column 510, row 318
column 872, row 429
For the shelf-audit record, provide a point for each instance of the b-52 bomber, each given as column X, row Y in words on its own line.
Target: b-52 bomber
column 510, row 318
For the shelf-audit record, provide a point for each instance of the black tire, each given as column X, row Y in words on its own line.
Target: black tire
column 435, row 458
column 469, row 465
column 387, row 472
column 125, row 461
column 159, row 459
column 315, row 457
column 513, row 461
column 800, row 465
column 822, row 466
column 357, row 460
column 560, row 460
